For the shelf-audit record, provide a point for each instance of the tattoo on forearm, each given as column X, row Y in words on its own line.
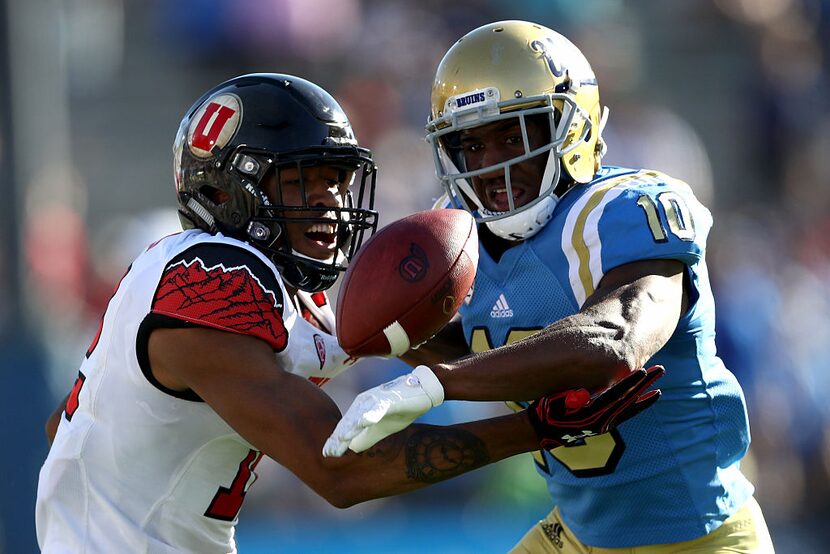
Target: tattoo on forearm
column 435, row 453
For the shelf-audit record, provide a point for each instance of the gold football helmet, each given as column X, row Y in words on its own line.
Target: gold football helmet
column 516, row 69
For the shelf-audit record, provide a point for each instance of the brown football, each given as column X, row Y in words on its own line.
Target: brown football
column 406, row 282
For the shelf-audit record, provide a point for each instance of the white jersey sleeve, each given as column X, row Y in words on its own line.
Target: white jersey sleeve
column 139, row 468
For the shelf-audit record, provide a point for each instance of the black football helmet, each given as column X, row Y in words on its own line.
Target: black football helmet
column 244, row 128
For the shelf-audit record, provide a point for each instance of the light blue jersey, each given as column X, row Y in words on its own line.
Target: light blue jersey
column 671, row 473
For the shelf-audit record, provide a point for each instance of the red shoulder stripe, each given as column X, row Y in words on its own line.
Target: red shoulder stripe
column 231, row 299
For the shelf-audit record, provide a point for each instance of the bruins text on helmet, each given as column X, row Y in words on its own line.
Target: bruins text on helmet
column 239, row 132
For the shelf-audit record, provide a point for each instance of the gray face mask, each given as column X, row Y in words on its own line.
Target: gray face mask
column 515, row 222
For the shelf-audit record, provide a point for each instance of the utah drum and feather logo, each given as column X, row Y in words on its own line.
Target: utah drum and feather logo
column 414, row 266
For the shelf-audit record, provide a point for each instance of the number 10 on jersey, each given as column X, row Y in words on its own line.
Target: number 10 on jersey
column 678, row 216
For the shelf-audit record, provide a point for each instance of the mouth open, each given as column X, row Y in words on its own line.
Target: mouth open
column 498, row 200
column 323, row 235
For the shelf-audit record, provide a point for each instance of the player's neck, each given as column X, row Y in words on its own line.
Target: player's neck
column 495, row 246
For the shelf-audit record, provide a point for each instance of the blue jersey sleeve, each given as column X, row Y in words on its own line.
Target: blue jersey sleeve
column 629, row 217
column 652, row 216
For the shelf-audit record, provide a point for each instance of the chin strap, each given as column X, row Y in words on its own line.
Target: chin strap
column 526, row 223
column 305, row 276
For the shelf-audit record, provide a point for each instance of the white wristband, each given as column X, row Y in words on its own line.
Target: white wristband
column 430, row 383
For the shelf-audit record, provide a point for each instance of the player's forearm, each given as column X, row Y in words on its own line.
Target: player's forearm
column 618, row 329
column 422, row 455
column 574, row 352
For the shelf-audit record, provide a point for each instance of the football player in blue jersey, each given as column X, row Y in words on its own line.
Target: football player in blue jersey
column 586, row 272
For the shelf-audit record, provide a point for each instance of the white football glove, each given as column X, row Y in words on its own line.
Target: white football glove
column 384, row 410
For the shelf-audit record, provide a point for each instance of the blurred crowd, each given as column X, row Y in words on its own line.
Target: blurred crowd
column 732, row 96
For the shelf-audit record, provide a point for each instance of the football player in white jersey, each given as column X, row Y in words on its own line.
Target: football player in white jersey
column 584, row 271
column 213, row 346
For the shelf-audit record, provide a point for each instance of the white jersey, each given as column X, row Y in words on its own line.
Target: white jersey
column 136, row 467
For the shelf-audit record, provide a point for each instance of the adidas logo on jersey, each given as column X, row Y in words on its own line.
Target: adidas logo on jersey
column 500, row 308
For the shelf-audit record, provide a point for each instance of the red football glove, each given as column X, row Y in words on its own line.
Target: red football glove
column 567, row 418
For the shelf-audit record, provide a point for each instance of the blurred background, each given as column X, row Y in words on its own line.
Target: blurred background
column 732, row 96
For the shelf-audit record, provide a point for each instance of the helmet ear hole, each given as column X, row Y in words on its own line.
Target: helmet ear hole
column 215, row 195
